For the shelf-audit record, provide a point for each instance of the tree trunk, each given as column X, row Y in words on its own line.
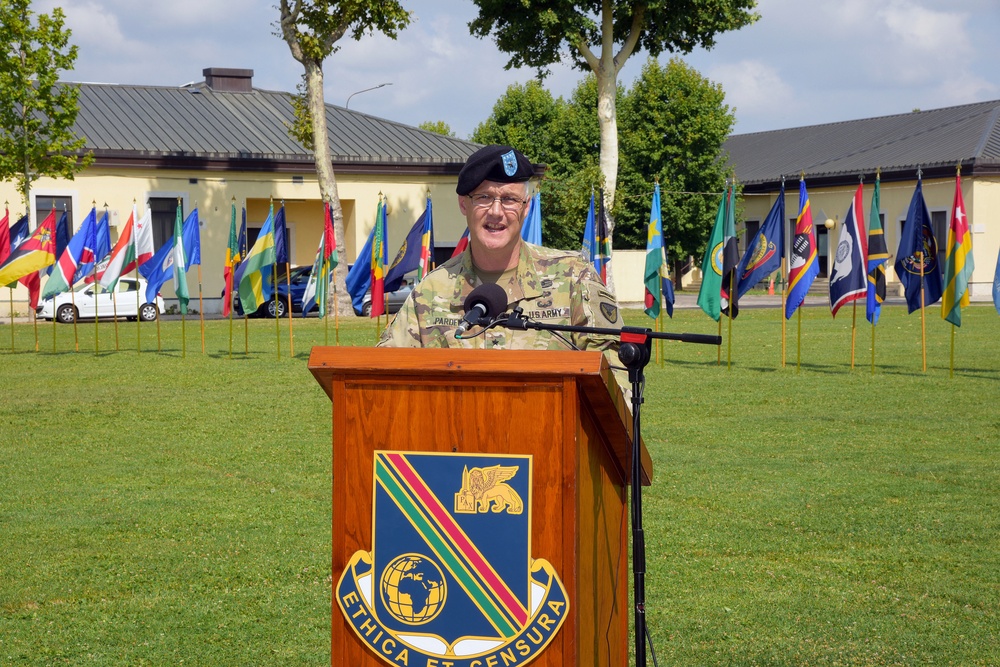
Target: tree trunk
column 608, row 121
column 325, row 177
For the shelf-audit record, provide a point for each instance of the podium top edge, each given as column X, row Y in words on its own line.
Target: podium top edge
column 431, row 361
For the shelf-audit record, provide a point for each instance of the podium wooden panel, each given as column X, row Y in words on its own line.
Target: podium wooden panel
column 563, row 408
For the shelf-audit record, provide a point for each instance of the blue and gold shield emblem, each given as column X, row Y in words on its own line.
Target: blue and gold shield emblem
column 450, row 574
column 509, row 161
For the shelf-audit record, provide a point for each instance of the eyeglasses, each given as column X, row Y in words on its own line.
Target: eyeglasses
column 506, row 203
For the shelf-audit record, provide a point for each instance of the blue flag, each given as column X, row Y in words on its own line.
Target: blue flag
column 589, row 247
column 764, row 253
column 531, row 231
column 996, row 286
column 102, row 247
column 18, row 233
column 408, row 257
column 849, row 280
column 359, row 277
column 917, row 257
column 192, row 240
column 158, row 269
column 280, row 247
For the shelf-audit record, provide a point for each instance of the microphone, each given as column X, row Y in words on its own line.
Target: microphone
column 486, row 301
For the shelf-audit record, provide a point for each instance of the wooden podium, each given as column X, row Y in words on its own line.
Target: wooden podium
column 563, row 408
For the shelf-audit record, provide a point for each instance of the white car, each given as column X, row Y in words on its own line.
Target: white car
column 83, row 303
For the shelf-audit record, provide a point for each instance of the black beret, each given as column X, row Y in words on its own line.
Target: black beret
column 502, row 164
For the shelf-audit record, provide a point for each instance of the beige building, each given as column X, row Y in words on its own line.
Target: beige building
column 210, row 143
column 833, row 158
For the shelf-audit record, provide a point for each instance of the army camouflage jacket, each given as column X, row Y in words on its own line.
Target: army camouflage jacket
column 551, row 286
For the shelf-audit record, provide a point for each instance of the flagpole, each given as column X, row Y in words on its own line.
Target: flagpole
column 854, row 324
column 729, row 335
column 201, row 306
column 873, row 345
column 230, row 329
column 718, row 358
column 34, row 322
column 951, row 369
column 798, row 350
column 138, row 304
column 114, row 312
column 246, row 335
column 336, row 308
column 923, row 325
column 277, row 320
column 781, row 315
column 10, row 310
column 291, row 336
column 159, row 341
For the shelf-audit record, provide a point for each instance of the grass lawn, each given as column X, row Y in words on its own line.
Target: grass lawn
column 158, row 510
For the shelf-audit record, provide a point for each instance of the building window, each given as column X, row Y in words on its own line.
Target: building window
column 45, row 204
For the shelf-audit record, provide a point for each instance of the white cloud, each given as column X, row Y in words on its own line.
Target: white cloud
column 753, row 87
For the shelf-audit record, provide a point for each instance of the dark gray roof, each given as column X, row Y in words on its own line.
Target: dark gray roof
column 934, row 140
column 198, row 123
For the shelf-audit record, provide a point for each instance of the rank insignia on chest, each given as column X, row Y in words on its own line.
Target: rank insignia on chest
column 450, row 575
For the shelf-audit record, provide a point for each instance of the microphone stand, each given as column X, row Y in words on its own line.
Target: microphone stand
column 635, row 345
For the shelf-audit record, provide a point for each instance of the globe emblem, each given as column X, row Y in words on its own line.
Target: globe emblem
column 413, row 589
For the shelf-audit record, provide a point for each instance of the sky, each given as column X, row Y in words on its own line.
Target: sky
column 804, row 62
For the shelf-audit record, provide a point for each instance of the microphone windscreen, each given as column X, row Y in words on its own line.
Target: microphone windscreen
column 492, row 296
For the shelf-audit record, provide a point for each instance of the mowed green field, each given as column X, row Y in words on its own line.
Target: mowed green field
column 160, row 510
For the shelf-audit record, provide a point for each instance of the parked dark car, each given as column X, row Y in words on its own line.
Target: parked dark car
column 299, row 279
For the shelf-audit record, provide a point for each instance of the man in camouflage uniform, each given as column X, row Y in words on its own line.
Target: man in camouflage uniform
column 551, row 286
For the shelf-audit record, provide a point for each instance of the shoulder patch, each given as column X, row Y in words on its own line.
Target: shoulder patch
column 610, row 311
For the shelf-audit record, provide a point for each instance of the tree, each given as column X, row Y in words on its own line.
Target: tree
column 601, row 35
column 522, row 117
column 674, row 122
column 36, row 112
column 438, row 127
column 311, row 28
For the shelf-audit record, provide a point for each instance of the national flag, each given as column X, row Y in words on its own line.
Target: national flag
column 603, row 239
column 180, row 262
column 848, row 279
column 122, row 255
column 19, row 234
column 958, row 264
column 996, row 285
column 408, row 257
column 379, row 257
column 317, row 290
column 916, row 258
column 710, row 294
column 62, row 238
column 102, row 249
column 589, row 245
column 280, row 238
column 232, row 253
column 531, row 230
column 331, row 236
column 463, row 243
column 763, row 254
column 5, row 236
column 67, row 266
column 192, row 240
column 803, row 267
column 143, row 238
column 359, row 277
column 158, row 269
column 878, row 257
column 253, row 285
column 654, row 258
column 241, row 246
column 31, row 255
column 730, row 259
column 426, row 243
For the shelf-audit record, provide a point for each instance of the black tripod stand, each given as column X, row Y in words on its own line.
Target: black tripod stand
column 635, row 345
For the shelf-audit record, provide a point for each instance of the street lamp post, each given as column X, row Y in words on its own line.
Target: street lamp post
column 347, row 104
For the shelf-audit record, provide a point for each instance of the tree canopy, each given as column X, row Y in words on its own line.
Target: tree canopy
column 601, row 35
column 36, row 112
column 673, row 122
